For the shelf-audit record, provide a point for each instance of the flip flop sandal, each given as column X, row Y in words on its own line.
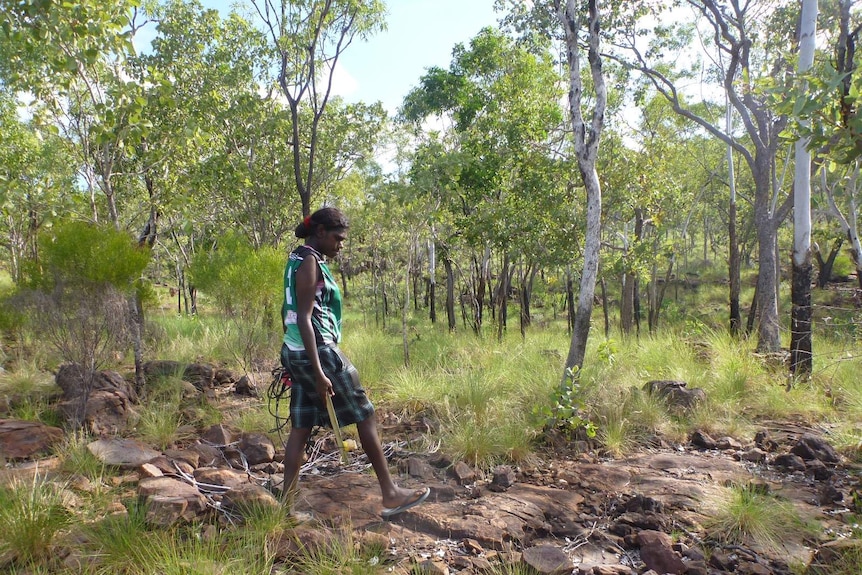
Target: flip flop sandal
column 389, row 512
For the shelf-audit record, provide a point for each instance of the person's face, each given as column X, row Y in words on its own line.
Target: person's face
column 331, row 241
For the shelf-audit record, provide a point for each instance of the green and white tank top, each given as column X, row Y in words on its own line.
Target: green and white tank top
column 326, row 315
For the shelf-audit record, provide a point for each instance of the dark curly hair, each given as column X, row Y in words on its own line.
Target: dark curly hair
column 330, row 218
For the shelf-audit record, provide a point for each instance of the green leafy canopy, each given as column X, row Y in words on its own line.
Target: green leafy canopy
column 87, row 257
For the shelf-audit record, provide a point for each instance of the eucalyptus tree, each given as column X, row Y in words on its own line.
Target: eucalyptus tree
column 434, row 177
column 826, row 114
column 748, row 47
column 199, row 69
column 502, row 102
column 71, row 57
column 308, row 38
column 206, row 164
column 801, row 357
column 36, row 176
column 578, row 26
column 587, row 118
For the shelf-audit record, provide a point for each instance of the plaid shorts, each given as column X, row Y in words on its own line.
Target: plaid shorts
column 306, row 408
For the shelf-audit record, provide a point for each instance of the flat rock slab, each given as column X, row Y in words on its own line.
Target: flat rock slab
column 122, row 452
column 494, row 519
column 569, row 505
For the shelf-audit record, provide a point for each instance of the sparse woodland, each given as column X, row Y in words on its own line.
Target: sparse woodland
column 590, row 199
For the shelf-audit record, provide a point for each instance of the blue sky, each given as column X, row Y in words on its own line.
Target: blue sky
column 420, row 34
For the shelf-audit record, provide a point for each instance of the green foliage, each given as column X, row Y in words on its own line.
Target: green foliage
column 161, row 425
column 76, row 459
column 568, row 410
column 240, row 280
column 80, row 256
column 484, row 439
column 30, row 395
column 129, row 547
column 246, row 285
column 80, row 289
column 32, row 514
column 339, row 554
column 843, row 266
column 749, row 514
column 116, row 538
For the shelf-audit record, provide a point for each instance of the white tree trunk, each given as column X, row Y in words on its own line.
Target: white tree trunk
column 801, row 355
column 586, row 142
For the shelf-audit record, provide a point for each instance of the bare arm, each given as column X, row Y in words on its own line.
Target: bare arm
column 306, row 285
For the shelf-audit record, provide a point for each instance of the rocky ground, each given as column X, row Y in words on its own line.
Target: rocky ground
column 568, row 512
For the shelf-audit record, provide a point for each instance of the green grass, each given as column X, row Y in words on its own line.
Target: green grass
column 338, row 553
column 844, row 558
column 30, row 394
column 188, row 552
column 32, row 514
column 487, row 397
column 161, row 425
column 113, row 540
column 76, row 459
column 746, row 515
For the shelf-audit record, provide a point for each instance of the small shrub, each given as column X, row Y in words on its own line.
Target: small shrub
column 567, row 410
column 246, row 285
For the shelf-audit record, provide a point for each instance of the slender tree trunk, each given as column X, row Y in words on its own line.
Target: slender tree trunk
column 432, row 280
column 503, row 297
column 768, row 333
column 627, row 304
column 824, row 267
column 587, row 139
column 660, row 298
column 733, row 256
column 527, row 281
column 752, row 311
column 849, row 223
column 605, row 310
column 570, row 301
column 478, row 294
column 405, row 310
column 801, row 352
column 450, row 293
column 375, row 288
column 654, row 301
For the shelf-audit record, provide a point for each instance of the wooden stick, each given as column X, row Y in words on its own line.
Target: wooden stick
column 334, row 421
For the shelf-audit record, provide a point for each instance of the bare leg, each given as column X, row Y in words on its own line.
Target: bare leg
column 393, row 496
column 294, row 450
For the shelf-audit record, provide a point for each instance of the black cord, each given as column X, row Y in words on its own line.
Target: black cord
column 278, row 391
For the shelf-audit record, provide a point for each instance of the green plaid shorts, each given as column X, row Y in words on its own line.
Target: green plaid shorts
column 306, row 407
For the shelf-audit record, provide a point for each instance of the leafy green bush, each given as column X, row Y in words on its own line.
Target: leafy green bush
column 81, row 256
column 245, row 284
column 239, row 278
column 843, row 266
column 80, row 288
